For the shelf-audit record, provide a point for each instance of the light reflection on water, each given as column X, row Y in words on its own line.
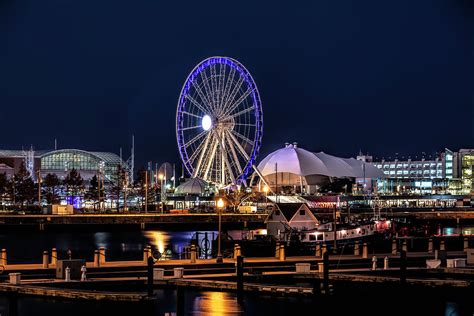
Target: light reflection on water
column 119, row 245
column 216, row 303
column 453, row 231
column 158, row 239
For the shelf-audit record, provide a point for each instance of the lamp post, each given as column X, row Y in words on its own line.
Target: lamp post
column 161, row 177
column 220, row 206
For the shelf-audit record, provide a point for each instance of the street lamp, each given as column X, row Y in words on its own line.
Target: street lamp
column 161, row 177
column 220, row 206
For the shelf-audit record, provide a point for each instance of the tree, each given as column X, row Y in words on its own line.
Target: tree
column 140, row 185
column 51, row 186
column 23, row 187
column 74, row 184
column 235, row 197
column 4, row 190
column 118, row 185
column 93, row 193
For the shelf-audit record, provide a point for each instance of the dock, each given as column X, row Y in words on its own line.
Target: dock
column 259, row 275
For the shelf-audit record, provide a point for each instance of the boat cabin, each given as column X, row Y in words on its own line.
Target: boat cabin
column 290, row 216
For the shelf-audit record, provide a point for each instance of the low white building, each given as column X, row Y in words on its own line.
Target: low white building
column 284, row 216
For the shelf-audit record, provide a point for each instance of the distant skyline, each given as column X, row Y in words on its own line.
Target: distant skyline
column 337, row 77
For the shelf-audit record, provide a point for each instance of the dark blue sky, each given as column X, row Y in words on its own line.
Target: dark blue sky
column 336, row 76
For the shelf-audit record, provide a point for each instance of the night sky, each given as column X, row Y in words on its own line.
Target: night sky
column 338, row 76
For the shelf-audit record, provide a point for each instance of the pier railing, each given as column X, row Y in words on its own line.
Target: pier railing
column 279, row 251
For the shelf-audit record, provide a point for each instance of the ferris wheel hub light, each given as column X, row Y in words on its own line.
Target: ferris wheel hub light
column 206, row 122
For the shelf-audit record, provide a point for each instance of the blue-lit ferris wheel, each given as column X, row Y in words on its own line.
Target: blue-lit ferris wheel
column 219, row 121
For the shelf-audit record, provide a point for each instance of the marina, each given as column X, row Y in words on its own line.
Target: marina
column 234, row 158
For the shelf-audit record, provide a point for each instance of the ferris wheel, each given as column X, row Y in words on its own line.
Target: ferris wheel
column 219, row 121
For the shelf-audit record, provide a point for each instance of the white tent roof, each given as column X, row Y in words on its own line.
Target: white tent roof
column 358, row 168
column 338, row 167
column 293, row 160
column 192, row 186
column 301, row 162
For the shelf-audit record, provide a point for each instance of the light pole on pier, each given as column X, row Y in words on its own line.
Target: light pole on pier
column 163, row 188
column 220, row 207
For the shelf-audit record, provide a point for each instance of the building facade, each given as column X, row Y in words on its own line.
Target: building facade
column 61, row 162
column 449, row 172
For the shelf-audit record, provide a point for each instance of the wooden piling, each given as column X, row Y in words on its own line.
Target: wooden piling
column 102, row 256
column 404, row 246
column 96, row 258
column 318, row 249
column 45, row 259
column 54, row 256
column 4, row 257
column 193, row 254
column 356, row 248
column 282, row 253
column 442, row 246
column 394, row 246
column 365, row 251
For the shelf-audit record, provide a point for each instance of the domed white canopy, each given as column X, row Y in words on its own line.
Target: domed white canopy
column 293, row 160
column 337, row 167
column 301, row 162
column 194, row 186
column 364, row 170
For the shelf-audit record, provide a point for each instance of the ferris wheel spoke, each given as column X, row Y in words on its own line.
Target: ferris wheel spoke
column 239, row 147
column 208, row 89
column 225, row 159
column 220, row 86
column 214, row 145
column 196, row 103
column 191, row 114
column 228, row 84
column 214, row 85
column 202, row 96
column 190, row 127
column 242, row 137
column 234, row 154
column 202, row 150
column 194, row 139
column 244, row 124
column 232, row 95
column 239, row 101
column 234, row 115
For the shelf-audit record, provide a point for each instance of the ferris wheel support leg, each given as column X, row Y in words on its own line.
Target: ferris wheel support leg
column 262, row 178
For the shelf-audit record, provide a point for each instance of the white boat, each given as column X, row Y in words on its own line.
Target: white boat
column 292, row 221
